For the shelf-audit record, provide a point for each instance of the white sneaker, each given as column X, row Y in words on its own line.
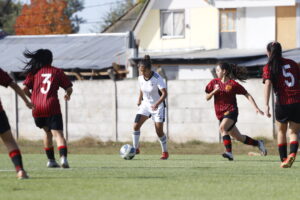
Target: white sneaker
column 228, row 155
column 262, row 148
column 64, row 162
column 52, row 164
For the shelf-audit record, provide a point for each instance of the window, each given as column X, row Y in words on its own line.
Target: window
column 172, row 23
column 228, row 20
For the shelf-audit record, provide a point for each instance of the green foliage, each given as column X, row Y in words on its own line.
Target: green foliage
column 115, row 12
column 73, row 7
column 8, row 14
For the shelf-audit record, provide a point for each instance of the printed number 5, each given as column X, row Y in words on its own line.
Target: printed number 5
column 288, row 75
column 47, row 82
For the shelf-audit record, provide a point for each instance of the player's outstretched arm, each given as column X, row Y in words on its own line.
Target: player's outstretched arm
column 252, row 101
column 267, row 93
column 20, row 92
column 68, row 94
column 27, row 92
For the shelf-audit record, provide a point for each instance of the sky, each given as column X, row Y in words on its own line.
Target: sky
column 93, row 12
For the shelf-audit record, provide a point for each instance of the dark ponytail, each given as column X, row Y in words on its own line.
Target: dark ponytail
column 38, row 59
column 146, row 62
column 234, row 72
column 274, row 62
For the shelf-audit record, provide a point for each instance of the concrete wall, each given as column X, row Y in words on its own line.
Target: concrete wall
column 92, row 112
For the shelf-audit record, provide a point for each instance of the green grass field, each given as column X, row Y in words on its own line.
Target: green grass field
column 98, row 176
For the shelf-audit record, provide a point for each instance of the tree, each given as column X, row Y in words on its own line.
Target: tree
column 43, row 17
column 115, row 13
column 8, row 14
column 74, row 6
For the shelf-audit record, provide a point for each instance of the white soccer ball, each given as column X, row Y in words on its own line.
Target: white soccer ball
column 127, row 152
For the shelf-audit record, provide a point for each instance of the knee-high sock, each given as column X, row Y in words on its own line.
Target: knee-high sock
column 136, row 139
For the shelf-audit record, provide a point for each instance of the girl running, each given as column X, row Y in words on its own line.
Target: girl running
column 41, row 85
column 151, row 104
column 5, row 132
column 284, row 76
column 224, row 89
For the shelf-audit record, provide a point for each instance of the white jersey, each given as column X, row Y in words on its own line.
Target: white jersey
column 151, row 88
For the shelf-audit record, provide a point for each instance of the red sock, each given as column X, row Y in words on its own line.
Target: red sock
column 63, row 151
column 16, row 158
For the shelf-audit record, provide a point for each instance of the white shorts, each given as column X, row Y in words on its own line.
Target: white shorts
column 156, row 115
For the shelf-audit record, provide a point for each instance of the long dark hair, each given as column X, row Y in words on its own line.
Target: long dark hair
column 38, row 59
column 146, row 62
column 275, row 59
column 234, row 72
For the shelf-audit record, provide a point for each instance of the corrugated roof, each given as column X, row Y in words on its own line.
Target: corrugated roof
column 91, row 51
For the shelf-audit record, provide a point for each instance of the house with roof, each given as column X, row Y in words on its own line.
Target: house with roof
column 188, row 38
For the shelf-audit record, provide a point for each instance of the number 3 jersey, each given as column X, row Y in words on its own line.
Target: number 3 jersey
column 44, row 86
column 287, row 87
column 151, row 88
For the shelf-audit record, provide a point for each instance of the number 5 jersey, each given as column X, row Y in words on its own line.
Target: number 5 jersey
column 287, row 86
column 44, row 86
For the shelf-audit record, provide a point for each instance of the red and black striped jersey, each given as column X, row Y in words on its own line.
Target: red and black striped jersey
column 5, row 80
column 225, row 98
column 44, row 86
column 287, row 86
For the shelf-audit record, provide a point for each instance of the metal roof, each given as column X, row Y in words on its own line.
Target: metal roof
column 242, row 57
column 89, row 51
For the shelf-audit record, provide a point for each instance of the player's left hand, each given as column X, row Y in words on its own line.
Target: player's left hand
column 154, row 107
column 67, row 97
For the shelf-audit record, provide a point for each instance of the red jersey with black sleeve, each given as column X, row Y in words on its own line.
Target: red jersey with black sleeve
column 225, row 98
column 44, row 86
column 5, row 80
column 287, row 86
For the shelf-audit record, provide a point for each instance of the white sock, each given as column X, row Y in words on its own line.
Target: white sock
column 163, row 143
column 136, row 139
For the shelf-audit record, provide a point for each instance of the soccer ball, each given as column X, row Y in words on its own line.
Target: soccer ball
column 127, row 152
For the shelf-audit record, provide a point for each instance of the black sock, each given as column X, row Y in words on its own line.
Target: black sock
column 16, row 158
column 227, row 143
column 294, row 147
column 251, row 141
column 282, row 148
column 63, row 151
column 50, row 153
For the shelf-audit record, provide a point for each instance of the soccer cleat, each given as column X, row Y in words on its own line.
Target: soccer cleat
column 22, row 175
column 228, row 155
column 289, row 161
column 164, row 156
column 137, row 151
column 64, row 162
column 52, row 164
column 262, row 148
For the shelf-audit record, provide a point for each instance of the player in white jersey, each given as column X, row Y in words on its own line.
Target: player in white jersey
column 151, row 104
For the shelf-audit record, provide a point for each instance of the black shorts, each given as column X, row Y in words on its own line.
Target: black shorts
column 4, row 124
column 233, row 116
column 53, row 122
column 289, row 112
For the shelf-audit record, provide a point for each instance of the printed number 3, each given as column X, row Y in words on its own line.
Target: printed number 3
column 47, row 82
column 288, row 75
